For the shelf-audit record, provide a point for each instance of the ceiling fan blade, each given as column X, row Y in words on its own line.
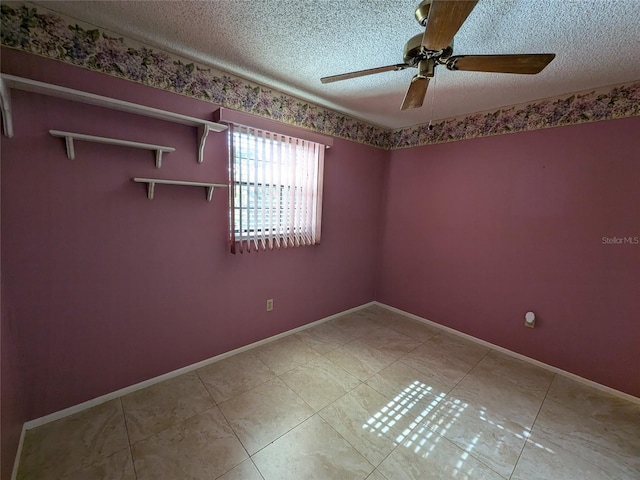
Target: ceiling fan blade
column 444, row 20
column 362, row 73
column 528, row 63
column 416, row 93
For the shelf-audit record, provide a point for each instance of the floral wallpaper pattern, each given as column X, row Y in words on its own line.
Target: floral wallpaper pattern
column 48, row 34
column 606, row 104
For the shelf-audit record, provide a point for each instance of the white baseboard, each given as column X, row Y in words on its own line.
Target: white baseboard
column 175, row 373
column 572, row 376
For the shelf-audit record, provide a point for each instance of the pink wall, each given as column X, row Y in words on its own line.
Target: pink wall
column 102, row 288
column 108, row 288
column 476, row 233
column 13, row 389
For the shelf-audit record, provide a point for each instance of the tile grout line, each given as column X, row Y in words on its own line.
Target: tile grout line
column 237, row 438
column 364, row 382
column 205, row 387
column 342, row 436
column 256, row 467
column 584, row 458
column 279, row 436
column 317, row 413
column 215, row 404
column 532, row 425
column 283, row 434
column 397, row 445
column 243, row 392
column 525, row 442
column 445, row 398
column 103, row 458
column 126, row 427
column 256, row 386
column 169, row 426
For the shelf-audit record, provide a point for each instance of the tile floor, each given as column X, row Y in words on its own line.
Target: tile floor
column 370, row 395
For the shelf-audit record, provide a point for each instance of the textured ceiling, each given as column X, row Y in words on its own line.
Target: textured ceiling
column 289, row 44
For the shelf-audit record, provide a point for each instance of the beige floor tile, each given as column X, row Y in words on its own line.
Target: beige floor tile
column 324, row 337
column 319, row 382
column 151, row 410
column 399, row 380
column 312, row 450
column 369, row 421
column 519, row 372
column 541, row 460
column 360, row 359
column 72, row 443
column 599, row 408
column 118, row 466
column 354, row 325
column 488, row 416
column 495, row 441
column 499, row 397
column 433, row 457
column 379, row 315
column 445, row 375
column 245, row 471
column 390, row 341
column 446, row 357
column 607, row 438
column 200, row 448
column 285, row 354
column 234, row 375
column 594, row 403
column 264, row 413
column 414, row 329
column 460, row 348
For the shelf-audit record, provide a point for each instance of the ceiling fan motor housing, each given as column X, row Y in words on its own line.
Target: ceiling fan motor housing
column 414, row 52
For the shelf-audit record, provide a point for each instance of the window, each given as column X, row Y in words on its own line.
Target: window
column 276, row 199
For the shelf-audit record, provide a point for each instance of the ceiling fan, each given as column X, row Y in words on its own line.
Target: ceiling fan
column 442, row 19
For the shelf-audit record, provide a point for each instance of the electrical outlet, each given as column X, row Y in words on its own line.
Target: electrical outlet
column 269, row 304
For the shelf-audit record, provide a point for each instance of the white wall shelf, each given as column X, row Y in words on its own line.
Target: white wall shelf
column 151, row 185
column 8, row 82
column 69, row 137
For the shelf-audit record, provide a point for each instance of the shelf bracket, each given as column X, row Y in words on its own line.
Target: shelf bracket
column 151, row 183
column 203, row 131
column 5, row 107
column 69, row 137
column 71, row 152
column 151, row 187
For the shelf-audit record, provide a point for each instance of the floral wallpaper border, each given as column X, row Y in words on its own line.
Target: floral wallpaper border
column 41, row 32
column 603, row 104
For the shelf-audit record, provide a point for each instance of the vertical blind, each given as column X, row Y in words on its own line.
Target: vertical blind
column 276, row 195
